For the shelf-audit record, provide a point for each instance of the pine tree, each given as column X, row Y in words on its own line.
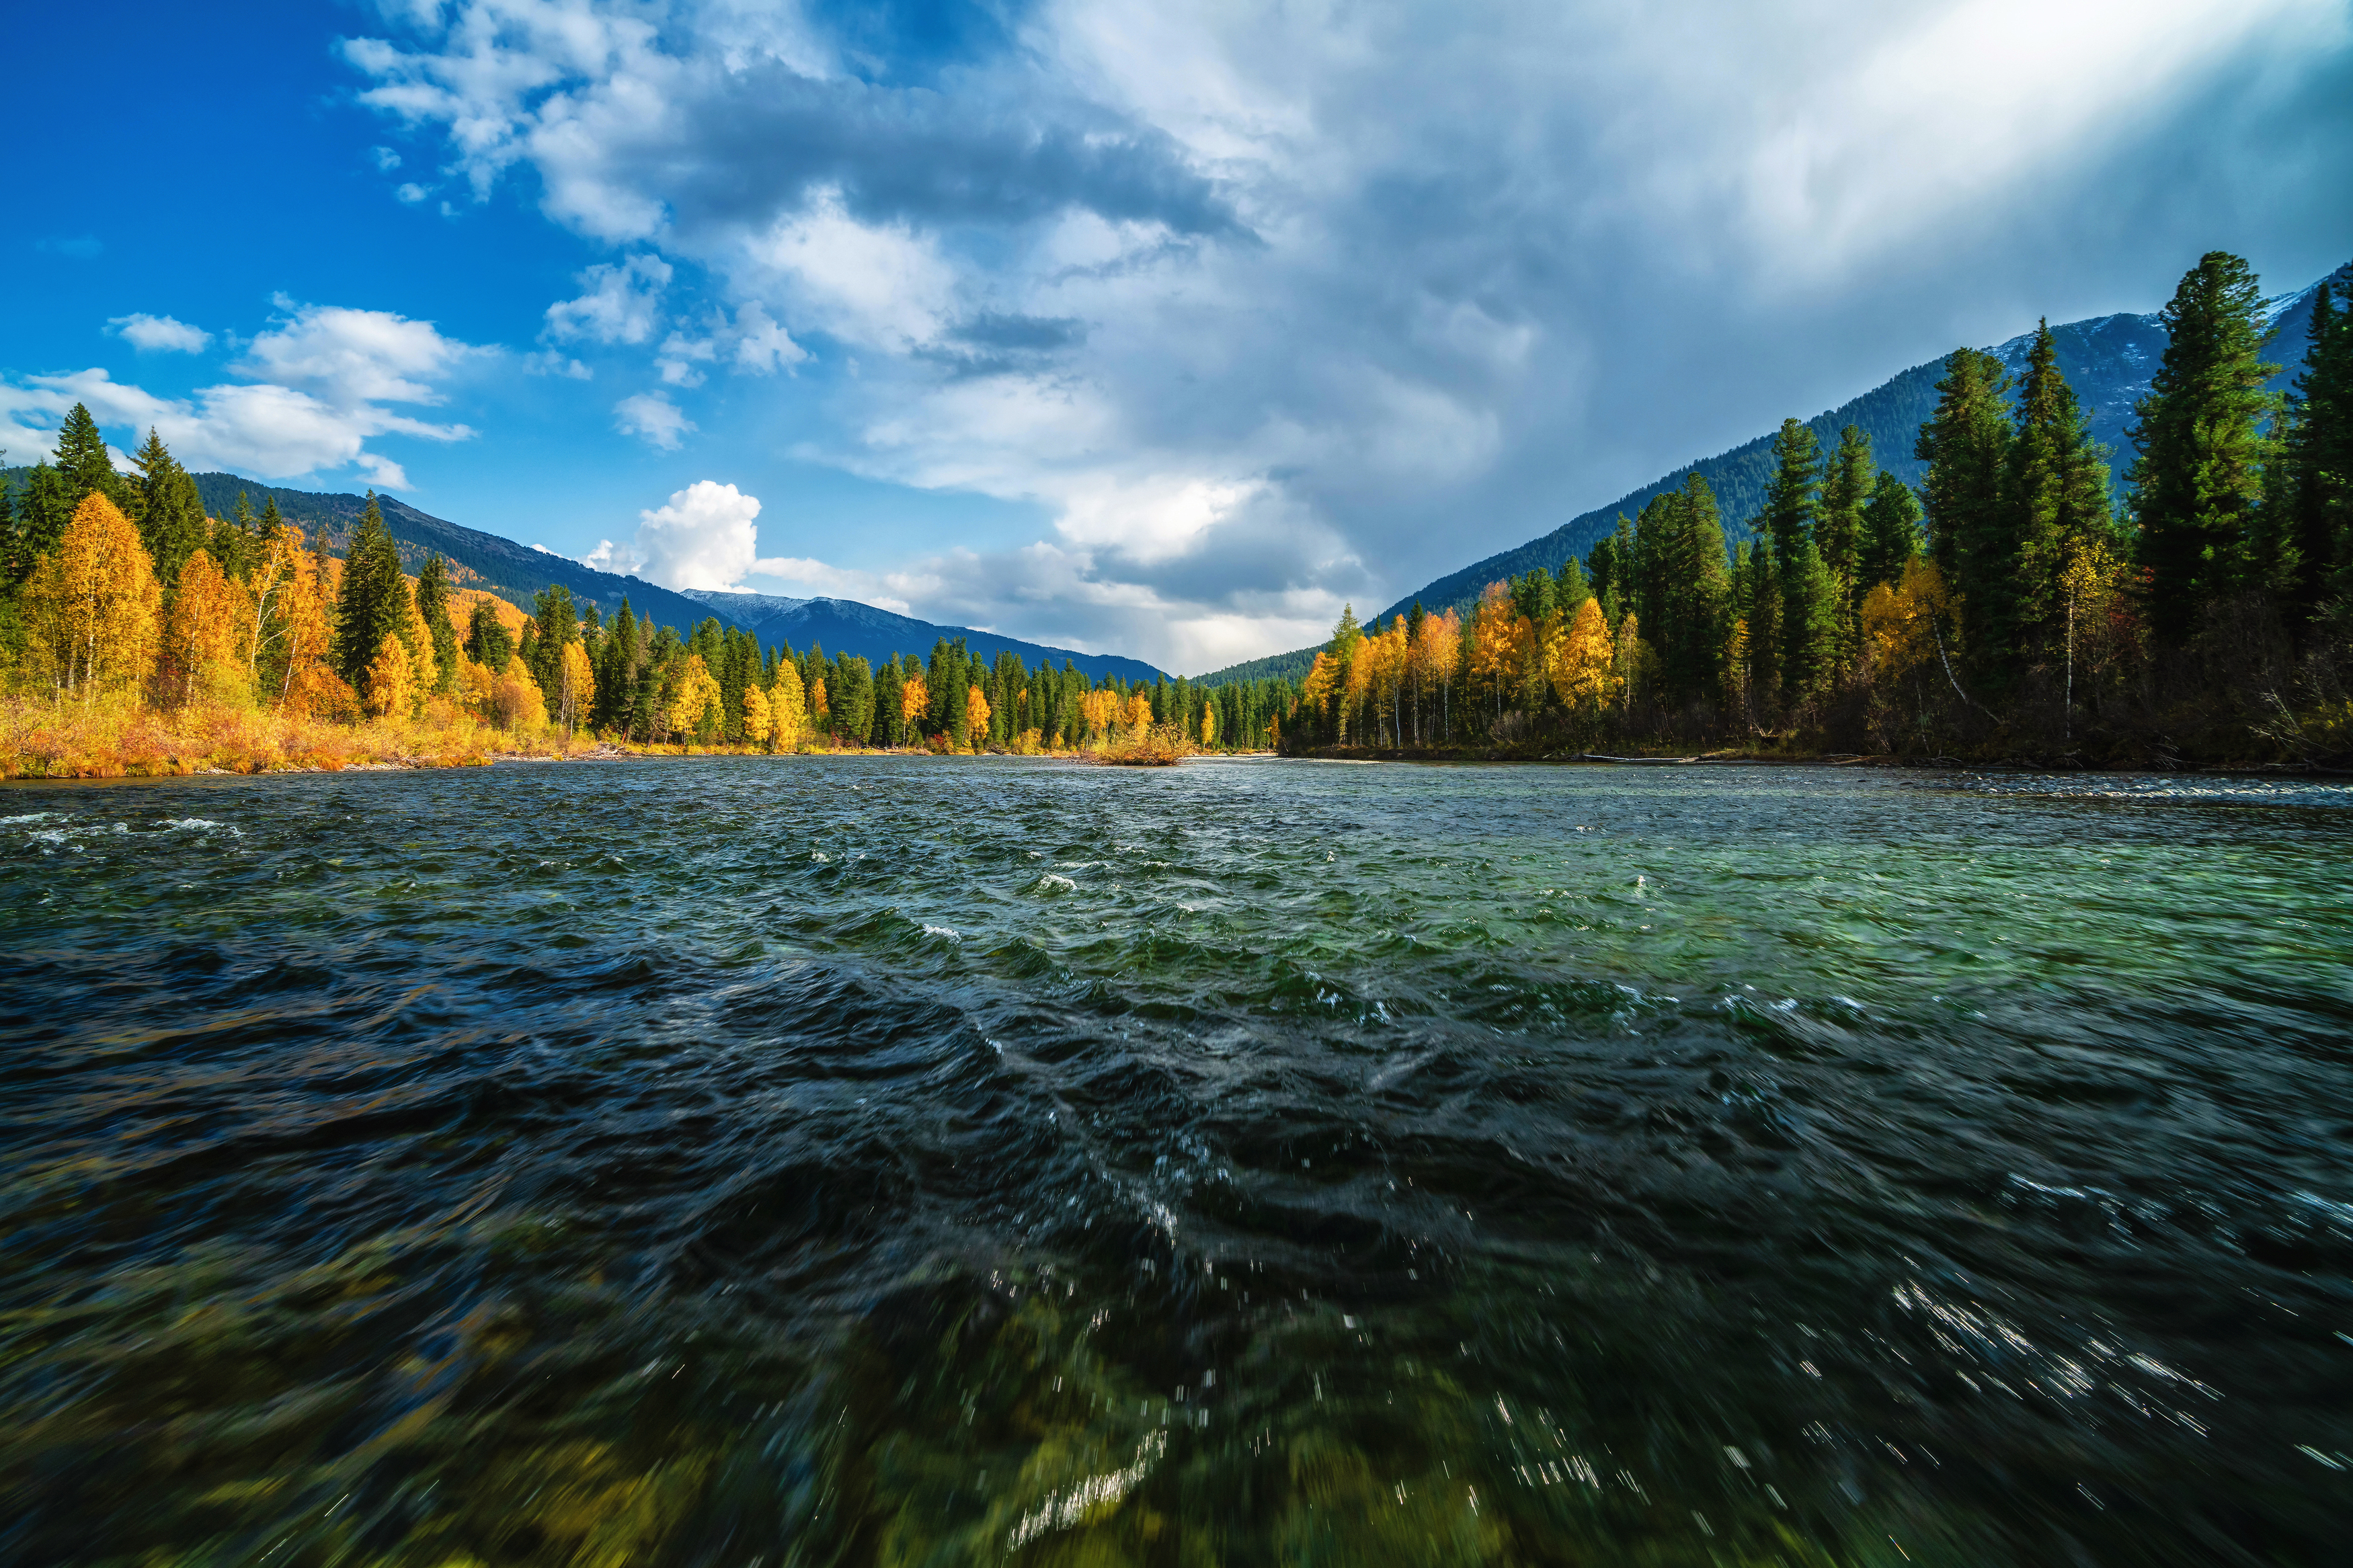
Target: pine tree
column 2198, row 484
column 9, row 542
column 86, row 466
column 1966, row 443
column 169, row 512
column 2318, row 453
column 558, row 626
column 1891, row 533
column 42, row 513
column 1846, row 495
column 1690, row 619
column 488, row 641
column 2057, row 498
column 374, row 605
column 433, row 609
column 1792, row 506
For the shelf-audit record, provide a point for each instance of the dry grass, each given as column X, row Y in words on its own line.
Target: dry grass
column 1157, row 746
column 119, row 738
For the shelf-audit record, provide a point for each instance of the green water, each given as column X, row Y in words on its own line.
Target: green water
column 909, row 1161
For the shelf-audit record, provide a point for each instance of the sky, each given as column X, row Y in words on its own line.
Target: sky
column 1145, row 327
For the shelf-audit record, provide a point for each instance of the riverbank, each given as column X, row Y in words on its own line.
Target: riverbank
column 41, row 740
column 2071, row 763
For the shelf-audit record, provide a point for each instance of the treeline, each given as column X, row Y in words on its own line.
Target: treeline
column 120, row 586
column 2005, row 606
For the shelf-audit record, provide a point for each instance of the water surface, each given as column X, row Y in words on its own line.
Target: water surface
column 903, row 1161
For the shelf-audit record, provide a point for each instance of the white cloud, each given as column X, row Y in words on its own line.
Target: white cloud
column 159, row 334
column 702, row 537
column 1373, row 284
column 349, row 357
column 622, row 305
column 547, row 362
column 318, row 384
column 761, row 345
column 410, row 192
column 880, row 284
column 655, row 419
column 386, row 160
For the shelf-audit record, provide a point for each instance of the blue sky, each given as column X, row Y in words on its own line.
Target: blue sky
column 1142, row 326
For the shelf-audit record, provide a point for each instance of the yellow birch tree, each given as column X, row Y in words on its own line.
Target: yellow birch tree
column 789, row 705
column 91, row 607
column 201, row 633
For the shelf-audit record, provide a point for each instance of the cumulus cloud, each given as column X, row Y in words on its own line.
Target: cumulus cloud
column 159, row 334
column 1396, row 283
column 654, row 418
column 622, row 305
column 702, row 537
column 320, row 385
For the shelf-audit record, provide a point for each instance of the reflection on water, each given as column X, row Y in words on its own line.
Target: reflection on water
column 915, row 1161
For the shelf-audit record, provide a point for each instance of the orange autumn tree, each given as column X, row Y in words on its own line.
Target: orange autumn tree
column 575, row 687
column 975, row 717
column 914, row 700
column 789, row 705
column 200, row 635
column 1582, row 676
column 1139, row 711
column 1493, row 643
column 89, row 607
column 391, row 689
column 1099, row 711
column 1436, row 656
column 757, row 719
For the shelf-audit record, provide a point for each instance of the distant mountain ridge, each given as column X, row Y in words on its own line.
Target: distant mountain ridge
column 846, row 626
column 518, row 572
column 2108, row 360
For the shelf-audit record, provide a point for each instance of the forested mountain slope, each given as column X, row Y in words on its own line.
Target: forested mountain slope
column 517, row 573
column 2108, row 360
column 845, row 625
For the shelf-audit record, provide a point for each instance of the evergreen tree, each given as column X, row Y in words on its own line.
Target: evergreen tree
column 1966, row 443
column 558, row 628
column 1846, row 495
column 1793, row 505
column 9, row 542
column 42, row 513
column 2198, row 484
column 165, row 506
column 2318, row 453
column 488, row 641
column 1692, row 622
column 1891, row 533
column 85, row 465
column 2057, row 498
column 374, row 605
column 433, row 609
column 617, row 672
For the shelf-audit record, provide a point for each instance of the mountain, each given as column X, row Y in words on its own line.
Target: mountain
column 2108, row 360
column 481, row 560
column 517, row 573
column 845, row 625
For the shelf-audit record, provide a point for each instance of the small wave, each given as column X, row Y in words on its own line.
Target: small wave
column 1049, row 883
column 942, row 930
column 197, row 824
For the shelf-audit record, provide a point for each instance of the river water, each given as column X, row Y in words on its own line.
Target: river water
column 907, row 1161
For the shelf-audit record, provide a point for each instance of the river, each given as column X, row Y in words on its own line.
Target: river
column 899, row 1160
